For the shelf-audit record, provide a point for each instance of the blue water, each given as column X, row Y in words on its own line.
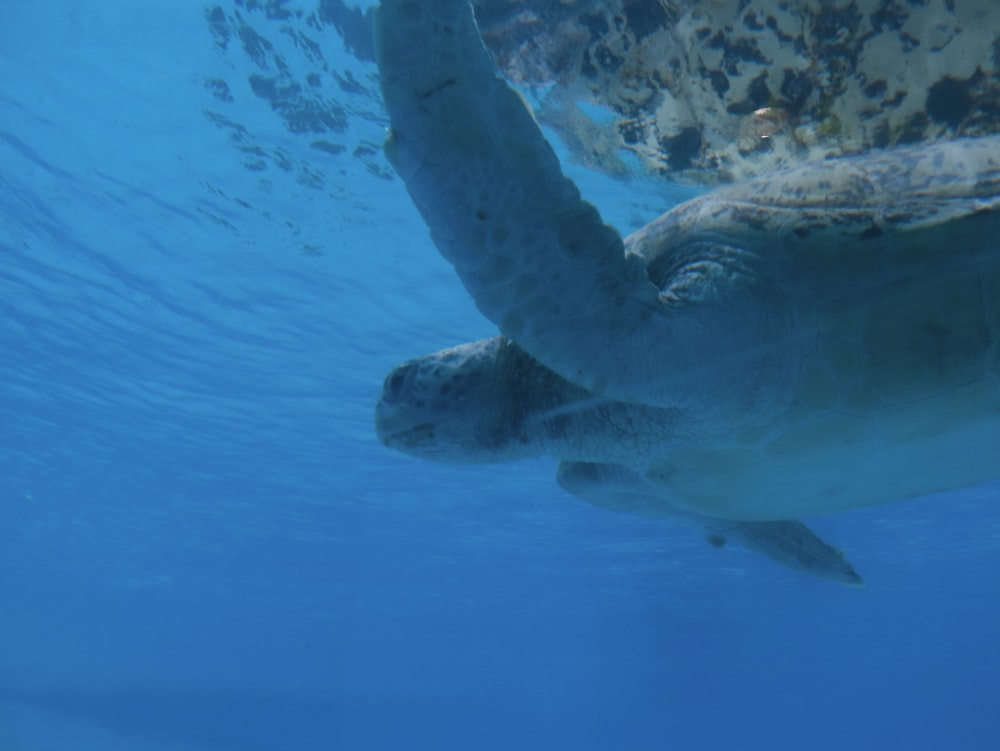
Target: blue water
column 205, row 273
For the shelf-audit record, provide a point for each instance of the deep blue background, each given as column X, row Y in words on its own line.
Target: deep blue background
column 206, row 269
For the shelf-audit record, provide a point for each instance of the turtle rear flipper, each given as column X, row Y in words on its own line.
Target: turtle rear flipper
column 790, row 543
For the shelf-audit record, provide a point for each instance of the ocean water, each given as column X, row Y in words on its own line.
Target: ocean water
column 206, row 269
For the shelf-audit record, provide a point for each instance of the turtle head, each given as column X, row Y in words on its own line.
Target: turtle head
column 463, row 404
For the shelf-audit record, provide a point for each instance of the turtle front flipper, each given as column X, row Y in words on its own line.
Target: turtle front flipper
column 536, row 258
column 790, row 543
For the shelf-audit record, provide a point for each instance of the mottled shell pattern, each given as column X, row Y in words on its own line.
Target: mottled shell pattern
column 713, row 91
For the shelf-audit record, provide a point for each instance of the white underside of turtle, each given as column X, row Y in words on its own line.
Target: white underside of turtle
column 811, row 340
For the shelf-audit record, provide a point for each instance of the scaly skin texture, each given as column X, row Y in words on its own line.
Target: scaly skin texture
column 489, row 401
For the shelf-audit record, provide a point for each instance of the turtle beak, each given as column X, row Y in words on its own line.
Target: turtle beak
column 384, row 428
column 394, row 428
column 394, row 421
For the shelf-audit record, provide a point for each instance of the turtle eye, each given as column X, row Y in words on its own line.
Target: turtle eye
column 396, row 381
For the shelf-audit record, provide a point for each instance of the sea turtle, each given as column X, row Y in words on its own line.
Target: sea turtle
column 824, row 337
column 490, row 401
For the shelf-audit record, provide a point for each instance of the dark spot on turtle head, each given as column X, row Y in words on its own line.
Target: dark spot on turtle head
column 948, row 101
column 683, row 148
column 871, row 232
column 395, row 386
column 481, row 215
column 802, row 232
column 397, row 381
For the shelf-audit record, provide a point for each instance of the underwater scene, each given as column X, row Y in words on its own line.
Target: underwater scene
column 556, row 374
